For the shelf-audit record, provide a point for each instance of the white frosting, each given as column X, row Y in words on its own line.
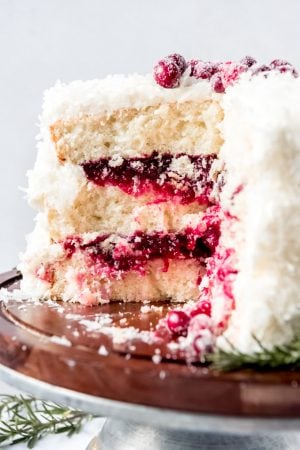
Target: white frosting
column 39, row 249
column 64, row 101
column 52, row 184
column 262, row 152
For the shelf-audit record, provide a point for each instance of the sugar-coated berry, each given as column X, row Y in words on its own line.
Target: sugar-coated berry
column 179, row 60
column 202, row 307
column 203, row 69
column 264, row 69
column 203, row 342
column 290, row 69
column 230, row 72
column 284, row 67
column 217, row 83
column 278, row 63
column 199, row 322
column 191, row 64
column 248, row 61
column 167, row 73
column 178, row 321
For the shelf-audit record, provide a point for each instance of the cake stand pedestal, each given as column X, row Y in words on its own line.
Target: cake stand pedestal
column 122, row 435
column 57, row 352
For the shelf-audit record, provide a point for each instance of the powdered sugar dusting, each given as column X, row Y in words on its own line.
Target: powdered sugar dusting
column 103, row 350
column 61, row 340
column 16, row 294
column 97, row 324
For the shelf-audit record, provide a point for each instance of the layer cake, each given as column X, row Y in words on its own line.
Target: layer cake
column 184, row 187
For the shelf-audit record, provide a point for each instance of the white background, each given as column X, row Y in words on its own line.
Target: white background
column 42, row 41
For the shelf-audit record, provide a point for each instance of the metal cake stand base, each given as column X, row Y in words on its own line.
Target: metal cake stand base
column 121, row 435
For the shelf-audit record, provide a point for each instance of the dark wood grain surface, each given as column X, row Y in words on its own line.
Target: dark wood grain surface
column 127, row 372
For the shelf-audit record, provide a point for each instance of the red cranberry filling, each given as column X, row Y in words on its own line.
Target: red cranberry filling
column 201, row 307
column 137, row 176
column 134, row 252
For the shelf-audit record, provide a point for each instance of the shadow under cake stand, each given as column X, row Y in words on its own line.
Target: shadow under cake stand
column 51, row 350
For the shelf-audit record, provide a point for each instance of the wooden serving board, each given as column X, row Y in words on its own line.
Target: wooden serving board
column 51, row 342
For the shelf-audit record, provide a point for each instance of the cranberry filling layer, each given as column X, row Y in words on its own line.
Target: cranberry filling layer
column 121, row 254
column 183, row 176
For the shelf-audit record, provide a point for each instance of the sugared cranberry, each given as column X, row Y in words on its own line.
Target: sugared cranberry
column 230, row 72
column 178, row 322
column 203, row 307
column 278, row 63
column 203, row 69
column 217, row 83
column 199, row 322
column 286, row 69
column 191, row 65
column 167, row 73
column 283, row 67
column 263, row 69
column 248, row 61
column 203, row 342
column 179, row 60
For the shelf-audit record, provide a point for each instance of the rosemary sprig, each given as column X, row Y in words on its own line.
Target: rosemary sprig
column 25, row 419
column 279, row 356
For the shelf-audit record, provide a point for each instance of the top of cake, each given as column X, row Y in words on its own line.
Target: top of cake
column 198, row 81
column 65, row 101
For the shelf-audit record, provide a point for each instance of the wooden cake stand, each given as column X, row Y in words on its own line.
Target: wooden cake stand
column 51, row 349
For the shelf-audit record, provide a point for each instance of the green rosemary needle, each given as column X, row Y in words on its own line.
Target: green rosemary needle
column 25, row 419
column 278, row 357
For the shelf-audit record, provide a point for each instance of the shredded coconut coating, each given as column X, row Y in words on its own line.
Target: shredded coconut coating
column 262, row 154
column 65, row 101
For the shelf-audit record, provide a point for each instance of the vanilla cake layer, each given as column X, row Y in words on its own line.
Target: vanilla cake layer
column 173, row 201
column 110, row 210
column 179, row 283
column 94, row 269
column 187, row 127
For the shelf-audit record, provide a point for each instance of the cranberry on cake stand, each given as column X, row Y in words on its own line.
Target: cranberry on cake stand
column 55, row 351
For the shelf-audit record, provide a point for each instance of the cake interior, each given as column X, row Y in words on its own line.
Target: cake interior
column 144, row 219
